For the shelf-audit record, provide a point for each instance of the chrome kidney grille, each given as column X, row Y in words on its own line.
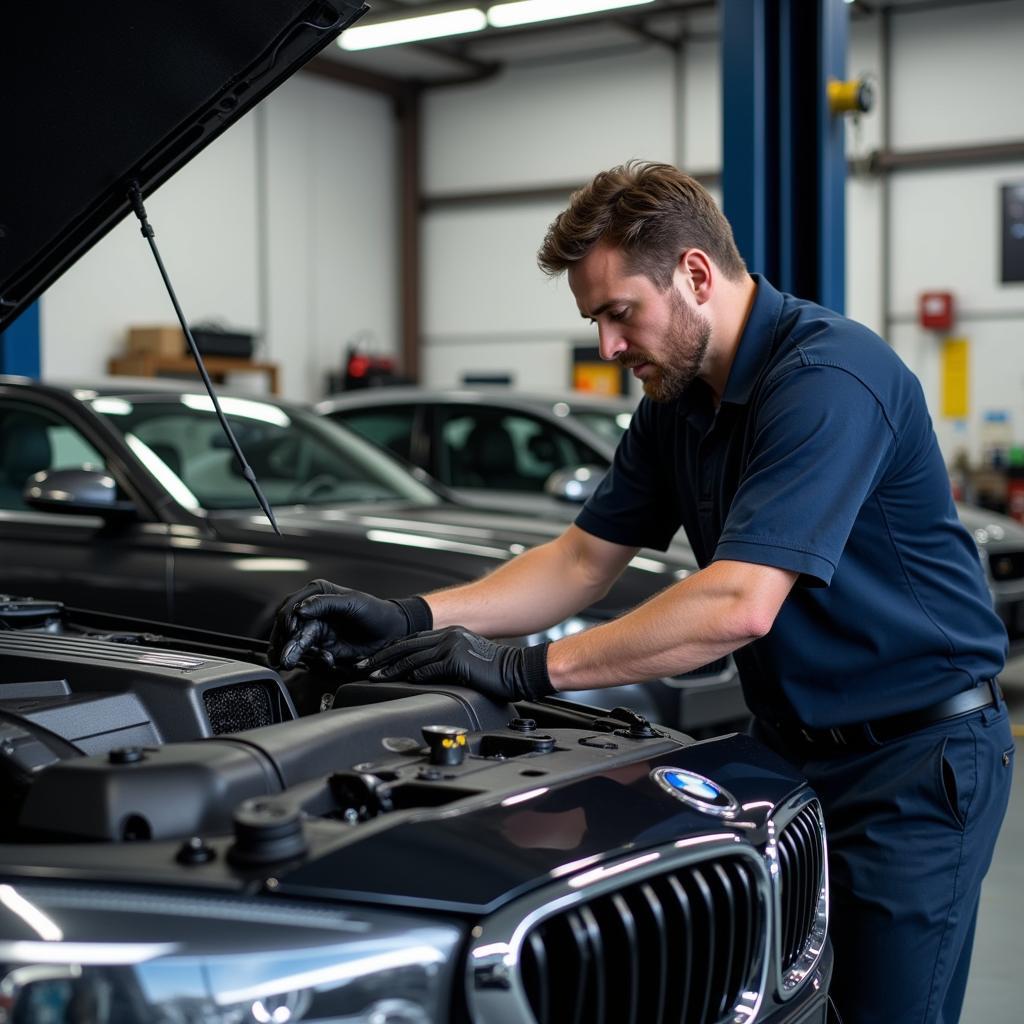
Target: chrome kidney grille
column 677, row 948
column 684, row 943
column 802, row 893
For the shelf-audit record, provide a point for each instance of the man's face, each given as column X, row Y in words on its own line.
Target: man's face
column 655, row 333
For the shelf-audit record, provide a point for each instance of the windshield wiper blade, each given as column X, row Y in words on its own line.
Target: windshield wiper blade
column 135, row 198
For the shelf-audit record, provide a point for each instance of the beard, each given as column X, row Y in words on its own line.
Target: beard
column 683, row 344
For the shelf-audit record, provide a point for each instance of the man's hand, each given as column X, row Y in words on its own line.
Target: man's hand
column 339, row 625
column 499, row 671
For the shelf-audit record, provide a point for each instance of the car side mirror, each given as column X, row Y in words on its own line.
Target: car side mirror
column 574, row 484
column 84, row 490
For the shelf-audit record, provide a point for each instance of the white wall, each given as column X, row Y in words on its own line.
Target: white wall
column 204, row 219
column 543, row 124
column 957, row 80
column 333, row 228
column 327, row 232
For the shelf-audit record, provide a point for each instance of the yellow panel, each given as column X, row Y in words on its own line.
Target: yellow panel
column 955, row 353
column 600, row 378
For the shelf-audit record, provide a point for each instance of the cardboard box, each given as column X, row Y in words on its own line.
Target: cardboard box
column 166, row 341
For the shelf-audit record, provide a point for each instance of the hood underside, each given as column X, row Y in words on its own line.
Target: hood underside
column 103, row 95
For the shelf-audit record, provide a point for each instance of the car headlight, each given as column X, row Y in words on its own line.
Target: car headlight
column 111, row 956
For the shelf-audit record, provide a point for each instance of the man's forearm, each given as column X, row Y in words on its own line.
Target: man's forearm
column 531, row 592
column 692, row 623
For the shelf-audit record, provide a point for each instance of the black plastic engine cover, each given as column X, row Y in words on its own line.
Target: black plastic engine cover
column 186, row 789
column 153, row 695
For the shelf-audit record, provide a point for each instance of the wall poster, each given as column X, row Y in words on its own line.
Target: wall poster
column 1013, row 233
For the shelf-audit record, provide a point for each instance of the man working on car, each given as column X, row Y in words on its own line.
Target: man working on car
column 796, row 450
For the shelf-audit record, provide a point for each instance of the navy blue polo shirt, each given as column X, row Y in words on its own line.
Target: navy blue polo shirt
column 821, row 459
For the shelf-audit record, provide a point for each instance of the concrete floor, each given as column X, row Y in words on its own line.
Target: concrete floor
column 995, row 990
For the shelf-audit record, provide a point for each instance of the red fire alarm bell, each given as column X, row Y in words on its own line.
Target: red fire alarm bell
column 935, row 310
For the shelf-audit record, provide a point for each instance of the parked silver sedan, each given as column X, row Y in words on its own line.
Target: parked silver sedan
column 495, row 448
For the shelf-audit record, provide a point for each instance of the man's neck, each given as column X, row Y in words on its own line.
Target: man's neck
column 733, row 305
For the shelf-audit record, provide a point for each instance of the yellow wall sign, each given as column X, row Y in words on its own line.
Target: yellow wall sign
column 955, row 353
column 599, row 378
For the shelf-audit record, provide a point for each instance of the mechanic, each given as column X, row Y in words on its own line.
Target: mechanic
column 796, row 450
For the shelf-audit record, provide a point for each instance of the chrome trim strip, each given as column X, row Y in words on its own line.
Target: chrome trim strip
column 792, row 981
column 494, row 988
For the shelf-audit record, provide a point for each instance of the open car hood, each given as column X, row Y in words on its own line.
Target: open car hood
column 101, row 95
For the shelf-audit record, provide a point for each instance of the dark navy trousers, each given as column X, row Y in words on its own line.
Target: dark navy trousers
column 912, row 824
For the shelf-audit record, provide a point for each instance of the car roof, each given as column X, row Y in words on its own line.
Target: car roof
column 577, row 400
column 141, row 388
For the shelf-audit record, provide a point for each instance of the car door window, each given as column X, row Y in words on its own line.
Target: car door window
column 298, row 458
column 502, row 450
column 32, row 440
column 390, row 427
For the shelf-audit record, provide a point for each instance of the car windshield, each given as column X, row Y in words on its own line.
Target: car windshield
column 610, row 424
column 298, row 458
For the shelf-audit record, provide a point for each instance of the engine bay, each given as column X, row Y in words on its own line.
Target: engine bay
column 132, row 741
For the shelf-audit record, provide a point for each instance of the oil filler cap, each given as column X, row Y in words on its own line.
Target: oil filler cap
column 447, row 743
column 265, row 833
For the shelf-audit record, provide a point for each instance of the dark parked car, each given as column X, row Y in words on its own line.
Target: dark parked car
column 126, row 498
column 176, row 845
column 507, row 449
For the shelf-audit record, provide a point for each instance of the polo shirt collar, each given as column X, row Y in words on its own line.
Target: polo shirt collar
column 756, row 342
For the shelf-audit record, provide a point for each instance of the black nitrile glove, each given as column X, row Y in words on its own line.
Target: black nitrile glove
column 339, row 625
column 499, row 671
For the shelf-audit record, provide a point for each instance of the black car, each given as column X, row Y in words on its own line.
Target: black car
column 177, row 845
column 126, row 497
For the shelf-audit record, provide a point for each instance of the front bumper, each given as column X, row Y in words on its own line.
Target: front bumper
column 810, row 1005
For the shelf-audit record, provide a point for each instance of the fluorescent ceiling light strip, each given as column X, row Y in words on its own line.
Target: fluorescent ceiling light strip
column 409, row 30
column 523, row 12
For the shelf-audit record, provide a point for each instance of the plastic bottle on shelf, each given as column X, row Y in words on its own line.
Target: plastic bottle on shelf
column 960, row 475
column 960, row 465
column 996, row 438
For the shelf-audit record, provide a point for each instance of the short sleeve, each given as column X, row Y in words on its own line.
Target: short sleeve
column 633, row 504
column 822, row 442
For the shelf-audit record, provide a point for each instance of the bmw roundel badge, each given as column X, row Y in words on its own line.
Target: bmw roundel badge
column 697, row 791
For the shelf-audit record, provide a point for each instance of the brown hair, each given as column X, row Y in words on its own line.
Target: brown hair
column 652, row 212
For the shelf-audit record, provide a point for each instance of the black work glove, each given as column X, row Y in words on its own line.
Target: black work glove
column 455, row 655
column 339, row 625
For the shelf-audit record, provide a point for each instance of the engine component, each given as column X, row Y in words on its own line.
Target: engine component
column 447, row 743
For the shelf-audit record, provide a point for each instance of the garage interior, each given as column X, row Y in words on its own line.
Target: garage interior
column 376, row 219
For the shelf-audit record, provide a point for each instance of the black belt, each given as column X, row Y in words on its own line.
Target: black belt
column 985, row 695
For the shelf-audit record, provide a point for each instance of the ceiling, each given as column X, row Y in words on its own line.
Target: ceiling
column 460, row 59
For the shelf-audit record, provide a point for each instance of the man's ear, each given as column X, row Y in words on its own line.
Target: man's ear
column 697, row 273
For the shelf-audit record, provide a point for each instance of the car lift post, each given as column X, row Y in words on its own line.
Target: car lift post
column 784, row 163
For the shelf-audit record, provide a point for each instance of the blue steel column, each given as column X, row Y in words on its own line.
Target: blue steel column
column 744, row 98
column 19, row 344
column 833, row 42
column 784, row 164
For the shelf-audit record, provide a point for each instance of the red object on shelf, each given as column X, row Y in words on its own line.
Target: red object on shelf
column 363, row 369
column 935, row 310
